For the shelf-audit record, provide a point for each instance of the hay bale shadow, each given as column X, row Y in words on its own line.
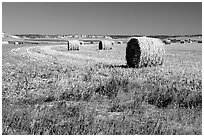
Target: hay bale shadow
column 126, row 66
column 118, row 66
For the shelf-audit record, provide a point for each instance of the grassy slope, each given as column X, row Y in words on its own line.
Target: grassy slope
column 45, row 98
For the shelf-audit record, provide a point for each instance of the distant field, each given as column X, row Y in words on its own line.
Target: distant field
column 191, row 38
column 188, row 47
column 6, row 48
column 117, row 52
column 50, row 40
column 47, row 90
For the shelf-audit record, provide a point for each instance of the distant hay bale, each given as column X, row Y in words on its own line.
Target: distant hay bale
column 81, row 43
column 120, row 42
column 167, row 41
column 105, row 45
column 143, row 52
column 200, row 41
column 182, row 41
column 189, row 41
column 73, row 45
column 113, row 42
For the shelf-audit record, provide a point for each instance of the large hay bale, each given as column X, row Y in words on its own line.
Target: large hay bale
column 105, row 45
column 144, row 51
column 73, row 45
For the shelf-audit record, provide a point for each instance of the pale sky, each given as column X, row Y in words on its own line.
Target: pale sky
column 102, row 18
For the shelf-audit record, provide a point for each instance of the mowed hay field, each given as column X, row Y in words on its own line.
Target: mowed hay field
column 48, row 90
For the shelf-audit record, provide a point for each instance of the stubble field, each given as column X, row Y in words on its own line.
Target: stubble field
column 49, row 90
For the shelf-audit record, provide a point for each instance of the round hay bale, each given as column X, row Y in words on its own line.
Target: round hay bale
column 81, row 43
column 189, row 41
column 105, row 45
column 113, row 42
column 182, row 41
column 144, row 51
column 167, row 41
column 73, row 45
column 120, row 42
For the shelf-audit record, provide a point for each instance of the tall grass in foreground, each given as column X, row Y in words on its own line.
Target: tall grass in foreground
column 102, row 99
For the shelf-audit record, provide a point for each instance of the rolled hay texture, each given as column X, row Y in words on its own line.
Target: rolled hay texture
column 105, row 45
column 144, row 51
column 73, row 45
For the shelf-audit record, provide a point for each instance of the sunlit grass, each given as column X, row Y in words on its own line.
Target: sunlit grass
column 40, row 98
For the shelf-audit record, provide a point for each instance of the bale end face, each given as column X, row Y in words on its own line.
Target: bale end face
column 100, row 45
column 68, row 45
column 133, row 53
column 120, row 42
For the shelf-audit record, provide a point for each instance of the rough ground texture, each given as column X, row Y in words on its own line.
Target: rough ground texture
column 47, row 90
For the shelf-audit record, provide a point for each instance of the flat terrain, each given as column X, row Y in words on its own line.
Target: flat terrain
column 49, row 90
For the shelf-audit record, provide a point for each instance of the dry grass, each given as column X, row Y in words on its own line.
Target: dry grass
column 59, row 98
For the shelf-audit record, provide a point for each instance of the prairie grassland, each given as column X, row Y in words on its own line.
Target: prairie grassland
column 47, row 93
